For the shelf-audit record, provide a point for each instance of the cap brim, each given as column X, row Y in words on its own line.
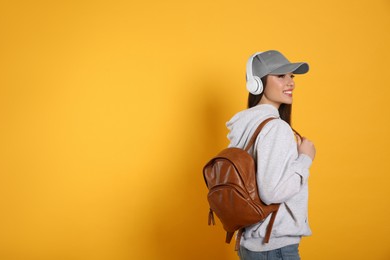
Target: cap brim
column 296, row 68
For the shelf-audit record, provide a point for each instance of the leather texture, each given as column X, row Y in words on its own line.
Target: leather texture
column 233, row 194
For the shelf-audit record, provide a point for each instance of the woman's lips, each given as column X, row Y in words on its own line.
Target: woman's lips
column 288, row 92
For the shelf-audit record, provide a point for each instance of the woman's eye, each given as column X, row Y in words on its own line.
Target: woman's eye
column 284, row 75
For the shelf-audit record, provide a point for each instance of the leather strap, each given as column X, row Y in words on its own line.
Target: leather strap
column 211, row 218
column 229, row 236
column 273, row 214
column 270, row 224
column 238, row 239
column 256, row 133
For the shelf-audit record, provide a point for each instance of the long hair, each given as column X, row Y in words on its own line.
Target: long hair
column 284, row 109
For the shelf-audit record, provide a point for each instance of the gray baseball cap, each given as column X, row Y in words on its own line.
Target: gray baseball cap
column 274, row 63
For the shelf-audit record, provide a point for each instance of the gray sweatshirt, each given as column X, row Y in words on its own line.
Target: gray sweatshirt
column 281, row 177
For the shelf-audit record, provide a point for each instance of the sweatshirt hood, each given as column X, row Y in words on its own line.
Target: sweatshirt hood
column 243, row 124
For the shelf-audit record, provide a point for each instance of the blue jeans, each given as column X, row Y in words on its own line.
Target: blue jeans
column 285, row 253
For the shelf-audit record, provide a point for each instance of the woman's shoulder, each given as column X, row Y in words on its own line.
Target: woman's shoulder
column 278, row 123
column 277, row 126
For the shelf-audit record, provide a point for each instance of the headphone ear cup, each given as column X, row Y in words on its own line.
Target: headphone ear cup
column 260, row 85
column 254, row 85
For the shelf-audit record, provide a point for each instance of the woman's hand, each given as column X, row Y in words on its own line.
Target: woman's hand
column 306, row 146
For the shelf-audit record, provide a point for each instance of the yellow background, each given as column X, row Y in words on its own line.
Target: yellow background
column 109, row 110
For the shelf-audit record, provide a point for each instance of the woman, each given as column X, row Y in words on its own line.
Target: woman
column 283, row 157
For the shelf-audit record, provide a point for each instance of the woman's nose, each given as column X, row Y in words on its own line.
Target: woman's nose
column 290, row 82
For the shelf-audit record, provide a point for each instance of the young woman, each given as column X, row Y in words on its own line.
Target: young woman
column 283, row 157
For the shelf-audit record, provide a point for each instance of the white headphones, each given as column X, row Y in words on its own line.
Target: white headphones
column 253, row 83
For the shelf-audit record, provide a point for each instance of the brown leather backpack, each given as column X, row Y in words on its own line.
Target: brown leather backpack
column 233, row 193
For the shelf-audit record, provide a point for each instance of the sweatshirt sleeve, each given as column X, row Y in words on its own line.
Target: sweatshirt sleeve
column 281, row 173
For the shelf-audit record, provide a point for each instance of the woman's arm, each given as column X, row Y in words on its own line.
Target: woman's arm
column 281, row 172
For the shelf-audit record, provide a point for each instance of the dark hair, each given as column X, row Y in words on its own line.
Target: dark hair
column 284, row 109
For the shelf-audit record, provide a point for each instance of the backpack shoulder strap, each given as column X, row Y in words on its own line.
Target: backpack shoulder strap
column 256, row 133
